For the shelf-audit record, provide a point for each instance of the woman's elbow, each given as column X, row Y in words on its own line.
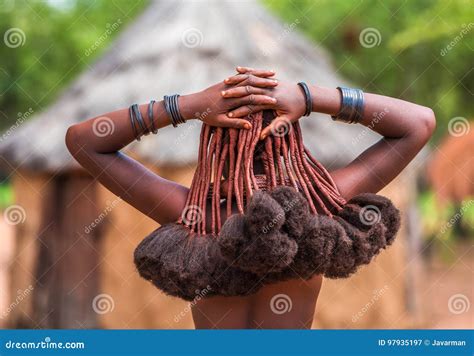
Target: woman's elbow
column 73, row 139
column 426, row 124
column 429, row 121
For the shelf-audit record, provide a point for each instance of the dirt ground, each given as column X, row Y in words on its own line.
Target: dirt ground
column 447, row 298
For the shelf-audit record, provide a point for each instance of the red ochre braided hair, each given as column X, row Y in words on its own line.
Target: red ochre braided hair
column 291, row 220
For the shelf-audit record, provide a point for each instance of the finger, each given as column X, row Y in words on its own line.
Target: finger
column 241, row 69
column 252, row 99
column 238, row 92
column 278, row 127
column 246, row 110
column 259, row 82
column 224, row 121
column 249, row 79
column 262, row 73
column 236, row 79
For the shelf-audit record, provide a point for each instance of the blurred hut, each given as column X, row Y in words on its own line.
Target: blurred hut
column 451, row 169
column 75, row 246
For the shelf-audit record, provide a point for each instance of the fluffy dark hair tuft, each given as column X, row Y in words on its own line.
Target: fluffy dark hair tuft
column 295, row 208
column 268, row 251
column 276, row 239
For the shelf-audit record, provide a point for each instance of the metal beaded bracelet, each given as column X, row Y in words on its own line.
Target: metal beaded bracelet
column 352, row 105
column 308, row 99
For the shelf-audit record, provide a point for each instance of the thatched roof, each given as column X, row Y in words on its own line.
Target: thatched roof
column 156, row 55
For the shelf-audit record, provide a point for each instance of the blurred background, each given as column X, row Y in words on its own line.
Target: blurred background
column 67, row 243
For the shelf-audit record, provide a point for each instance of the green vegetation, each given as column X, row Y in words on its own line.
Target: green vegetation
column 49, row 43
column 445, row 225
column 444, row 221
column 416, row 50
column 6, row 195
column 420, row 51
column 423, row 53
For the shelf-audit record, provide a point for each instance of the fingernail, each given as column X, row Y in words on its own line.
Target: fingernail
column 223, row 93
column 247, row 126
column 274, row 100
column 239, row 68
column 271, row 70
column 262, row 137
column 275, row 81
column 230, row 114
column 226, row 80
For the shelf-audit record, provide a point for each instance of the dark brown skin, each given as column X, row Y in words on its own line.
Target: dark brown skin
column 405, row 127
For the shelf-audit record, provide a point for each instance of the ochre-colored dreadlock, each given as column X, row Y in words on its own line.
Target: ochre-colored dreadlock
column 285, row 160
column 290, row 221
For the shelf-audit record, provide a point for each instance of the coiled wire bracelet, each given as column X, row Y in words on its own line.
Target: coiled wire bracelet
column 139, row 126
column 352, row 105
column 172, row 109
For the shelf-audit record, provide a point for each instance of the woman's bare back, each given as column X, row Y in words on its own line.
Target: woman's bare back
column 405, row 129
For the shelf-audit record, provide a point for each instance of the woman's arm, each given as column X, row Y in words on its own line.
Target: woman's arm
column 405, row 127
column 154, row 196
column 160, row 199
